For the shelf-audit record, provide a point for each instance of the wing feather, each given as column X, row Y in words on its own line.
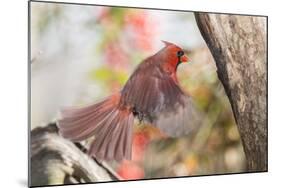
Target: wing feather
column 180, row 121
column 156, row 95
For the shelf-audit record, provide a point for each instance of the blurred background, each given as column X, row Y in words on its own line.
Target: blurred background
column 80, row 54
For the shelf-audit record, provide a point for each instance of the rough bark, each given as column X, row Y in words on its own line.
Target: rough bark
column 55, row 160
column 238, row 45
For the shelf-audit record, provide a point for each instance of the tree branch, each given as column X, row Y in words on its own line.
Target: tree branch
column 56, row 160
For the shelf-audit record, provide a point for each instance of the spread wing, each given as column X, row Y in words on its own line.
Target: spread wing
column 181, row 120
column 158, row 98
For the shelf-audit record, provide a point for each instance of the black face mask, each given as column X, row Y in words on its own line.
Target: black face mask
column 179, row 54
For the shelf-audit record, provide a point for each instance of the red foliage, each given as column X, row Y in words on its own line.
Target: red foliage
column 115, row 56
column 140, row 142
column 134, row 29
column 129, row 170
column 143, row 29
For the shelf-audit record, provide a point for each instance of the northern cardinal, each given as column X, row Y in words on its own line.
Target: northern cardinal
column 152, row 94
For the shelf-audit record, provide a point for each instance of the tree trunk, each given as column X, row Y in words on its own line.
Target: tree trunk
column 239, row 47
column 56, row 161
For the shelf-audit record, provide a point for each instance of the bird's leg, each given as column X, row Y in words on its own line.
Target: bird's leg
column 138, row 114
column 140, row 117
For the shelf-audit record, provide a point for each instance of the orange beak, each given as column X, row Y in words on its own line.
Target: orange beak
column 184, row 59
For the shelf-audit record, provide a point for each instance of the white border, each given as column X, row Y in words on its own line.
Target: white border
column 13, row 82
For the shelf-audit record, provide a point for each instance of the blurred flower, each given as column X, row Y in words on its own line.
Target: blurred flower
column 141, row 139
column 122, row 29
column 191, row 163
column 115, row 56
column 129, row 170
column 140, row 142
column 143, row 29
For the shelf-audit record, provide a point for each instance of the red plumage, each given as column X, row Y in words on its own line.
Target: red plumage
column 151, row 94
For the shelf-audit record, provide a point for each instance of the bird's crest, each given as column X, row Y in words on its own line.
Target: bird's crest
column 167, row 43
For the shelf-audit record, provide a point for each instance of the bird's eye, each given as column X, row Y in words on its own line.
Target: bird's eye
column 180, row 53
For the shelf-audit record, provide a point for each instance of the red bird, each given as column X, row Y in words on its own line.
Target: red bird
column 151, row 94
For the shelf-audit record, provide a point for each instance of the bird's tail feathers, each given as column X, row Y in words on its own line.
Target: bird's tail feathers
column 110, row 124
